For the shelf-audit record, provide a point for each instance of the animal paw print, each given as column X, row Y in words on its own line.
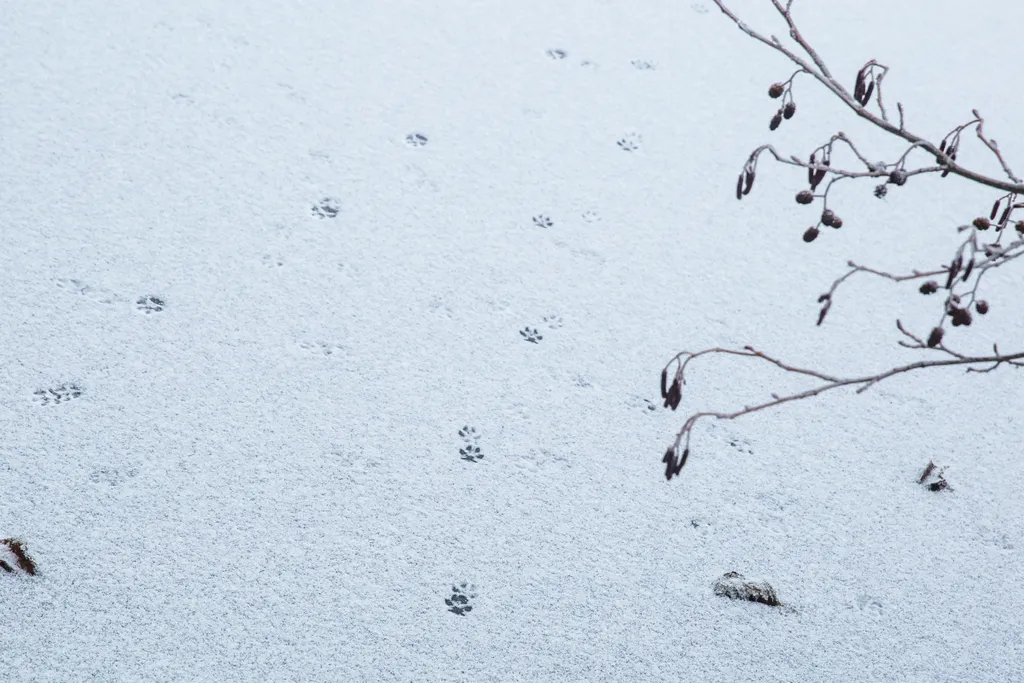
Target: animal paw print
column 642, row 65
column 458, row 603
column 553, row 321
column 326, row 208
column 325, row 348
column 531, row 335
column 416, row 140
column 630, row 142
column 150, row 304
column 590, row 217
column 741, row 445
column 557, row 54
column 542, row 221
column 61, row 394
column 271, row 261
column 470, row 452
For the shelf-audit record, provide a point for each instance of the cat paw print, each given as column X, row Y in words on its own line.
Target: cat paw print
column 150, row 304
column 327, row 207
column 557, row 54
column 470, row 452
column 630, row 142
column 553, row 322
column 542, row 221
column 642, row 65
column 61, row 394
column 741, row 445
column 461, row 597
column 416, row 140
column 531, row 335
column 322, row 348
column 270, row 261
column 590, row 217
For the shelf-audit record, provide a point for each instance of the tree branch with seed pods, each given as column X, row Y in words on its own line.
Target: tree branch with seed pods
column 977, row 253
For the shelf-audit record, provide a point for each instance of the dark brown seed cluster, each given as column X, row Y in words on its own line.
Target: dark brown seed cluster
column 671, row 394
column 960, row 316
column 789, row 110
column 829, row 218
column 935, row 338
column 1019, row 227
column 804, row 197
column 776, row 91
column 810, row 234
column 982, row 223
column 881, row 191
column 745, row 182
column 814, row 177
column 898, row 177
column 929, row 287
column 981, row 307
column 776, row 120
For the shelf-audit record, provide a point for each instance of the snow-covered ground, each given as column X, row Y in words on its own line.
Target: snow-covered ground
column 263, row 262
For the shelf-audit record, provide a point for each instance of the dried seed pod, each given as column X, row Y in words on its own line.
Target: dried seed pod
column 664, row 383
column 674, row 395
column 935, row 338
column 929, row 287
column 881, row 191
column 739, row 187
column 750, row 182
column 942, row 145
column 810, row 171
column 789, row 110
column 995, row 210
column 827, row 217
column 981, row 306
column 867, row 93
column 1019, row 227
column 967, row 270
column 804, row 197
column 837, row 222
column 776, row 120
column 982, row 223
column 1006, row 215
column 858, row 88
column 776, row 90
column 898, row 177
column 817, row 178
column 810, row 234
column 954, row 268
column 824, row 311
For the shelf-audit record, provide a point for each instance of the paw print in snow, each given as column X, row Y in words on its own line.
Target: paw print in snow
column 557, row 54
column 458, row 603
column 643, row 65
column 590, row 217
column 326, row 208
column 542, row 221
column 630, row 142
column 531, row 335
column 271, row 261
column 471, row 453
column 150, row 304
column 416, row 140
column 553, row 321
column 61, row 394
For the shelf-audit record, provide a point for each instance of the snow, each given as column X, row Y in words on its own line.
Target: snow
column 262, row 480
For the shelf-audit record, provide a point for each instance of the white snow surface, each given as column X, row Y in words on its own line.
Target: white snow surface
column 262, row 481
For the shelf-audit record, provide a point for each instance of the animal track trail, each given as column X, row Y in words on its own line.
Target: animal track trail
column 328, row 207
column 416, row 140
column 322, row 348
column 470, row 450
column 57, row 395
column 460, row 600
column 111, row 476
column 630, row 142
column 97, row 295
column 150, row 304
column 542, row 221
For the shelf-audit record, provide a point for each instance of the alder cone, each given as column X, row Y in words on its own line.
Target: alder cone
column 776, row 90
column 810, row 234
column 804, row 197
column 935, row 338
